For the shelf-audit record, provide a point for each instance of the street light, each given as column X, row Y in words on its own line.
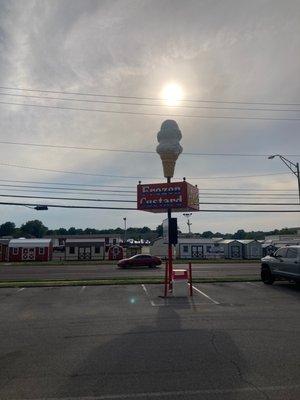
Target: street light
column 294, row 167
column 188, row 216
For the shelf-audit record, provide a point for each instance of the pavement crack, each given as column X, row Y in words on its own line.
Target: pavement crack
column 236, row 366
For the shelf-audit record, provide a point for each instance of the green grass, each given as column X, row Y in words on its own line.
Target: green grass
column 120, row 281
column 109, row 262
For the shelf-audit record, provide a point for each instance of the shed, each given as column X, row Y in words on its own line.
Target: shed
column 233, row 249
column 4, row 249
column 252, row 249
column 197, row 248
column 84, row 249
column 268, row 249
column 30, row 250
column 116, row 252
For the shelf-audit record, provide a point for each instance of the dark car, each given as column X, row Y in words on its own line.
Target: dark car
column 140, row 260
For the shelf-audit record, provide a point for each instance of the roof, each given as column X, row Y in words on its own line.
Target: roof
column 227, row 241
column 86, row 236
column 247, row 241
column 74, row 242
column 29, row 242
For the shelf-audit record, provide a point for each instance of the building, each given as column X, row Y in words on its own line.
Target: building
column 232, row 248
column 252, row 249
column 4, row 249
column 108, row 239
column 84, row 249
column 197, row 248
column 30, row 250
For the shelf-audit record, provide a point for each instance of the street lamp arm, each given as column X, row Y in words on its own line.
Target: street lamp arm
column 290, row 164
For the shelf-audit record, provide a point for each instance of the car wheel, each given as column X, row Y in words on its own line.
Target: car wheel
column 266, row 275
column 151, row 266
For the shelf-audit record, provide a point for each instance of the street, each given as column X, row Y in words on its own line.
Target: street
column 38, row 272
column 231, row 341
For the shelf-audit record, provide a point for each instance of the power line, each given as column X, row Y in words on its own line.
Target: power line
column 67, row 183
column 146, row 98
column 126, row 103
column 65, row 147
column 134, row 201
column 70, row 189
column 68, row 198
column 134, row 209
column 165, row 115
column 49, row 191
column 135, row 177
column 134, row 187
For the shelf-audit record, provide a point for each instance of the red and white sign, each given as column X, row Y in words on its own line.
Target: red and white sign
column 158, row 197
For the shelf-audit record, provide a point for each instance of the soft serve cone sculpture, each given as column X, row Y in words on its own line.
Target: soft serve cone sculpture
column 169, row 148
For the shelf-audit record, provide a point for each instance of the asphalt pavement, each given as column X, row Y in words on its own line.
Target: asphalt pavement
column 231, row 341
column 85, row 271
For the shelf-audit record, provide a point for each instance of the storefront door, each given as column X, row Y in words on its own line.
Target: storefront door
column 197, row 251
column 84, row 253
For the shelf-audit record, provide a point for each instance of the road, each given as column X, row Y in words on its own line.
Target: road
column 236, row 341
column 38, row 272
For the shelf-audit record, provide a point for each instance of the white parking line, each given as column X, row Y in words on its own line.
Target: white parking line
column 148, row 295
column 205, row 295
column 20, row 290
column 82, row 289
column 253, row 284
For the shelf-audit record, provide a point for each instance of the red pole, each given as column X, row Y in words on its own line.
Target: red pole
column 166, row 278
column 191, row 279
column 170, row 257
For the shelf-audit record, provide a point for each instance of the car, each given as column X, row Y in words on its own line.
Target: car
column 140, row 260
column 283, row 264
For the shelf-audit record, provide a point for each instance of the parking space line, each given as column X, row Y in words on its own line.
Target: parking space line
column 253, row 284
column 148, row 295
column 205, row 295
column 20, row 290
column 82, row 289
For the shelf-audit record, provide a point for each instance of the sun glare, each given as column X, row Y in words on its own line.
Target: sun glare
column 172, row 94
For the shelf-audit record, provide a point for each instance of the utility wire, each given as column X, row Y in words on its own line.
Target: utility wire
column 135, row 177
column 68, row 188
column 64, row 147
column 134, row 201
column 134, row 187
column 145, row 98
column 134, row 209
column 126, row 103
column 165, row 115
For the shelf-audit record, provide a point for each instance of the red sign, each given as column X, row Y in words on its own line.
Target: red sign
column 158, row 197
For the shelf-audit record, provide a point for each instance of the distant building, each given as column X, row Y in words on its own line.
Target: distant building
column 4, row 249
column 30, row 250
column 108, row 239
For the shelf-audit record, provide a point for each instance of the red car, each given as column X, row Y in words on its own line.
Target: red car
column 140, row 260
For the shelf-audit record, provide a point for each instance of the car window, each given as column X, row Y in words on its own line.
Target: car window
column 292, row 253
column 281, row 252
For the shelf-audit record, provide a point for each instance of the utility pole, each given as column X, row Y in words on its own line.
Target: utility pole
column 125, row 229
column 188, row 215
column 294, row 167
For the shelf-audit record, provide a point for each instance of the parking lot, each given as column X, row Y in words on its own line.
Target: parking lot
column 230, row 341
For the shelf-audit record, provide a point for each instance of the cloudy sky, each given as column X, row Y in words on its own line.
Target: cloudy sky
column 225, row 51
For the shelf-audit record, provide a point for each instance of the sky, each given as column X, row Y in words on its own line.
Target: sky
column 224, row 51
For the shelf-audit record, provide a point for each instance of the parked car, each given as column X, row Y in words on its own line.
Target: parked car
column 140, row 260
column 283, row 264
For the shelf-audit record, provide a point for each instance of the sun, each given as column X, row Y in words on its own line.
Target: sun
column 172, row 94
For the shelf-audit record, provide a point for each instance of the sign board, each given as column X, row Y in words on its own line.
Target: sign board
column 159, row 197
column 170, row 231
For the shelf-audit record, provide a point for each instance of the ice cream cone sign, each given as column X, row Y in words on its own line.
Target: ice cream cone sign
column 169, row 147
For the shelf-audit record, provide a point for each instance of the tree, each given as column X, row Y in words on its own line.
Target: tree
column 7, row 229
column 159, row 230
column 34, row 228
column 207, row 234
column 72, row 231
column 240, row 234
